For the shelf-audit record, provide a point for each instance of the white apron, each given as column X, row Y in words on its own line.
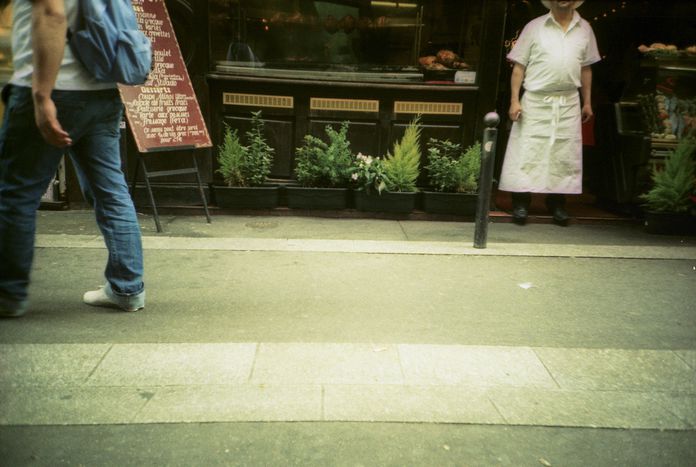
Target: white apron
column 544, row 152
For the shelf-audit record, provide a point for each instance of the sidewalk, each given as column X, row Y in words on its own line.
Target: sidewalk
column 299, row 319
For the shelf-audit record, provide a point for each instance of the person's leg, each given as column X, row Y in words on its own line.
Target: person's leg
column 97, row 153
column 27, row 165
column 520, row 207
column 556, row 206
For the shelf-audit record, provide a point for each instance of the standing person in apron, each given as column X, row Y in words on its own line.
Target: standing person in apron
column 551, row 59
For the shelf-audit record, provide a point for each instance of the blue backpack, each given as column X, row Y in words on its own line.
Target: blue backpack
column 109, row 43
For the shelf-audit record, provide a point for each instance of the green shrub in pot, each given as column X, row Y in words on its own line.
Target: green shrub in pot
column 245, row 166
column 452, row 170
column 325, row 165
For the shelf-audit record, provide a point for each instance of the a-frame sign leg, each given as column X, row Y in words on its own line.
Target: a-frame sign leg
column 200, row 188
column 146, row 175
column 167, row 173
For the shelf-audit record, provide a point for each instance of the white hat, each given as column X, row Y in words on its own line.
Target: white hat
column 576, row 4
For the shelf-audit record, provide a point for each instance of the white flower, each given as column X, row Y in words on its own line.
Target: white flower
column 354, row 176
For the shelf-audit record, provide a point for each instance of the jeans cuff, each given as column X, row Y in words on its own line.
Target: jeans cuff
column 126, row 301
column 12, row 308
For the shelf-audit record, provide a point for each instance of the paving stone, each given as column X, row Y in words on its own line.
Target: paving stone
column 175, row 364
column 327, row 364
column 619, row 369
column 393, row 403
column 235, row 403
column 682, row 406
column 48, row 364
column 596, row 409
column 70, row 405
column 689, row 356
column 473, row 366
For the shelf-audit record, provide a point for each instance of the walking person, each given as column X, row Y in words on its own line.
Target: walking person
column 551, row 59
column 54, row 105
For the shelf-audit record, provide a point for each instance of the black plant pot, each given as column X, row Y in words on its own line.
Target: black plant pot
column 463, row 204
column 317, row 198
column 387, row 201
column 670, row 223
column 257, row 197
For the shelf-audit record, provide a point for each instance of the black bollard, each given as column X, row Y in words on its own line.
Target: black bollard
column 490, row 136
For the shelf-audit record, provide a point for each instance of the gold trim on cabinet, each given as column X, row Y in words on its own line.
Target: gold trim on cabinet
column 431, row 108
column 258, row 100
column 343, row 105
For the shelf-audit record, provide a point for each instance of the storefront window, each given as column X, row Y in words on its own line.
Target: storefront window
column 417, row 41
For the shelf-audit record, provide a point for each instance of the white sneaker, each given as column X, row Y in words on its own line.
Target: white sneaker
column 105, row 298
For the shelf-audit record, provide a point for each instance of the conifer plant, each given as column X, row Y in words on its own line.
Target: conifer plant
column 674, row 184
column 402, row 167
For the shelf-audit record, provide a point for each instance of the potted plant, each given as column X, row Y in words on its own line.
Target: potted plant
column 669, row 202
column 453, row 177
column 245, row 169
column 323, row 171
column 394, row 177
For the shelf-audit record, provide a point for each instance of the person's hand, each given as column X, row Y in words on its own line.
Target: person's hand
column 46, row 117
column 587, row 113
column 515, row 111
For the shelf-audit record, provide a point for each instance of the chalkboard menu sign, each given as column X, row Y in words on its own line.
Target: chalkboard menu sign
column 163, row 113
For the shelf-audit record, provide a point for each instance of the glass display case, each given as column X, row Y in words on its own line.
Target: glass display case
column 370, row 40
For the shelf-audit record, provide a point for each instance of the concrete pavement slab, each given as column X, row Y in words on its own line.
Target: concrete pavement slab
column 327, row 364
column 250, row 402
column 174, row 364
column 473, row 366
column 49, row 364
column 619, row 369
column 71, row 405
column 417, row 404
column 606, row 409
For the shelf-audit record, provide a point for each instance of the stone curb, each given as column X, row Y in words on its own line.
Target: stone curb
column 48, row 384
column 382, row 247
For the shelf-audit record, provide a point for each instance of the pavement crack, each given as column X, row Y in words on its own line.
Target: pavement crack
column 98, row 363
column 253, row 363
column 323, row 403
column 497, row 410
column 683, row 359
column 541, row 360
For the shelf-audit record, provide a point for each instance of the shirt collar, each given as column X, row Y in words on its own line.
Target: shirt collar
column 573, row 22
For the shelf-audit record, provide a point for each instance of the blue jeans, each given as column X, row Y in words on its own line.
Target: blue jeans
column 27, row 165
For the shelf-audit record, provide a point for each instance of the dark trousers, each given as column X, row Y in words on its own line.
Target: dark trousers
column 553, row 200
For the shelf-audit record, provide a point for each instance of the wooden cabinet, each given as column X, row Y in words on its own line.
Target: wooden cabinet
column 378, row 113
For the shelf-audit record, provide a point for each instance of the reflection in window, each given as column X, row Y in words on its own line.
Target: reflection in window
column 375, row 36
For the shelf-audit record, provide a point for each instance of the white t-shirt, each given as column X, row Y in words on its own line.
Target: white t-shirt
column 72, row 75
column 553, row 58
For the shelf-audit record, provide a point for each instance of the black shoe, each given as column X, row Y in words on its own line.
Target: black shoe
column 520, row 207
column 555, row 203
column 519, row 215
column 560, row 216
